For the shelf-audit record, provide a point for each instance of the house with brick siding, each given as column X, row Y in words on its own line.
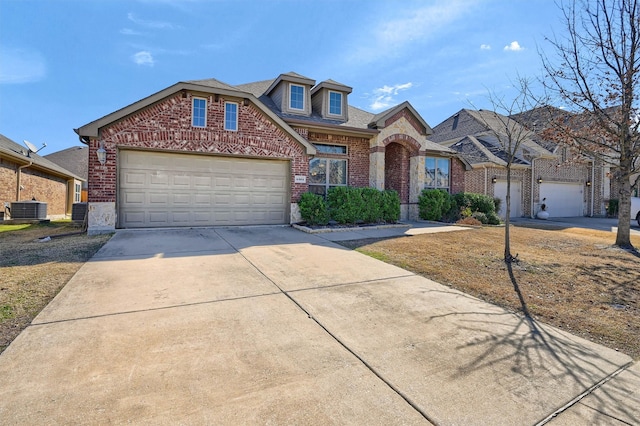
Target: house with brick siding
column 203, row 153
column 25, row 176
column 74, row 159
column 542, row 172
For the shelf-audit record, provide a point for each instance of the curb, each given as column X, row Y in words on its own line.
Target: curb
column 355, row 228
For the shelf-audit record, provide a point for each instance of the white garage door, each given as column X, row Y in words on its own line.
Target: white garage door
column 158, row 189
column 563, row 199
column 500, row 191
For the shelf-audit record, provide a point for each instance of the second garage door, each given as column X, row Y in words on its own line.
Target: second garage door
column 157, row 189
column 563, row 199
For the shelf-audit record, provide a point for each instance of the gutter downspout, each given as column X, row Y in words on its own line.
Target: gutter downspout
column 533, row 180
column 18, row 174
column 485, row 180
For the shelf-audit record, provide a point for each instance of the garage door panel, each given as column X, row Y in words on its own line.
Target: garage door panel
column 563, row 199
column 168, row 189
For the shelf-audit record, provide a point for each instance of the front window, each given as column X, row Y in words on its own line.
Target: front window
column 335, row 103
column 330, row 149
column 325, row 173
column 296, row 100
column 199, row 113
column 437, row 173
column 230, row 116
column 77, row 193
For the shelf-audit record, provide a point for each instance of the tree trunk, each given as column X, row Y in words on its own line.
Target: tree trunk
column 507, row 243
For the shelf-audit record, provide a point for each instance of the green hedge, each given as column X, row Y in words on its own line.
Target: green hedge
column 347, row 205
column 437, row 204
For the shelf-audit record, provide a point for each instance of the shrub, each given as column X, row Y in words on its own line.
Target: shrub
column 433, row 204
column 493, row 218
column 481, row 217
column 313, row 209
column 497, row 203
column 469, row 221
column 373, row 205
column 390, row 206
column 345, row 204
column 612, row 208
column 476, row 202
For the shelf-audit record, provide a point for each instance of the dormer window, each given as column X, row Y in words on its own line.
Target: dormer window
column 335, row 103
column 296, row 97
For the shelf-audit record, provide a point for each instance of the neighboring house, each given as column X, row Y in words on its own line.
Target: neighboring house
column 542, row 172
column 203, row 153
column 76, row 160
column 26, row 176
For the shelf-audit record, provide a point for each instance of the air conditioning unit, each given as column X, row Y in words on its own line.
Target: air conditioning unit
column 78, row 211
column 28, row 210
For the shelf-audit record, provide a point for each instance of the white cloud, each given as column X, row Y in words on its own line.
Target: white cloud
column 485, row 47
column 129, row 31
column 21, row 66
column 383, row 97
column 417, row 25
column 150, row 24
column 514, row 46
column 143, row 58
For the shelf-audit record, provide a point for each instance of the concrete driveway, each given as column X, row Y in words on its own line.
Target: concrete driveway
column 269, row 325
column 597, row 223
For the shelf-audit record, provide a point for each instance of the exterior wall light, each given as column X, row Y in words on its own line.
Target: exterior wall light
column 588, row 183
column 539, row 180
column 102, row 154
column 494, row 179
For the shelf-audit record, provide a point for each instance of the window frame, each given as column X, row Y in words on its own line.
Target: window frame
column 339, row 114
column 77, row 192
column 195, row 109
column 235, row 118
column 327, row 184
column 291, row 107
column 436, row 168
column 319, row 148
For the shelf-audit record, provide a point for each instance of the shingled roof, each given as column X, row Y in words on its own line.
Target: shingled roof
column 473, row 134
column 20, row 154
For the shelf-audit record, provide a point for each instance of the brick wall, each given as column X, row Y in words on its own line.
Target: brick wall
column 357, row 155
column 396, row 174
column 457, row 176
column 166, row 125
column 44, row 187
column 7, row 182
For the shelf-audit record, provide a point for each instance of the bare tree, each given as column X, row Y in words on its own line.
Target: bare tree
column 510, row 136
column 596, row 75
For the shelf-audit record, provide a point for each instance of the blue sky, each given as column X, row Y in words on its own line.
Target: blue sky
column 65, row 63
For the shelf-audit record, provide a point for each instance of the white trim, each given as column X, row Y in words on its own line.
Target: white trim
column 225, row 116
column 329, row 103
column 193, row 111
column 304, row 97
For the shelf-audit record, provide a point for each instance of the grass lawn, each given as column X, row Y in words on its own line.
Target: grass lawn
column 33, row 272
column 570, row 278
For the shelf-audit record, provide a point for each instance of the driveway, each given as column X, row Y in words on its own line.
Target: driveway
column 597, row 223
column 269, row 325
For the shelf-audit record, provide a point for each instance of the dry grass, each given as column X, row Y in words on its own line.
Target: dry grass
column 33, row 272
column 570, row 278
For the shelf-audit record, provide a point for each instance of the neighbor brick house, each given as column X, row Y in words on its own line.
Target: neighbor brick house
column 25, row 176
column 542, row 171
column 74, row 159
column 203, row 152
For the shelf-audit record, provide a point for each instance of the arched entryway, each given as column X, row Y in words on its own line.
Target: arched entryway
column 399, row 149
column 396, row 170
